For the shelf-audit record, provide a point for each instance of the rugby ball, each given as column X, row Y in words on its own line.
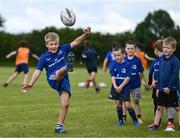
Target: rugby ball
column 68, row 17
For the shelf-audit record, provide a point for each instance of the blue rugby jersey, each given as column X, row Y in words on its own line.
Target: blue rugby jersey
column 89, row 55
column 155, row 68
column 110, row 58
column 136, row 69
column 120, row 71
column 53, row 61
column 168, row 75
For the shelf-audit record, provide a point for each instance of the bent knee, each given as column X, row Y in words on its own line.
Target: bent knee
column 159, row 108
column 65, row 105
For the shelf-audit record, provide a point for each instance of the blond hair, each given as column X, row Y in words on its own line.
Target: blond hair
column 51, row 36
column 170, row 41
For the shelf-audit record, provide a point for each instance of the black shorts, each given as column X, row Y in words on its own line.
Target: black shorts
column 113, row 95
column 92, row 70
column 169, row 100
column 22, row 67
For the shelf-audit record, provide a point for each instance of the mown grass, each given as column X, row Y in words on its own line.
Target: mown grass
column 90, row 115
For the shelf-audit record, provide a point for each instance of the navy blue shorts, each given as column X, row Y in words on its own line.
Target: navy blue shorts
column 92, row 70
column 170, row 100
column 22, row 67
column 59, row 86
column 119, row 96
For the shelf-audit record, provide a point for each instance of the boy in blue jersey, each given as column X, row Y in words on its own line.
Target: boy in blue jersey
column 153, row 73
column 55, row 63
column 109, row 59
column 137, row 76
column 120, row 90
column 90, row 56
column 167, row 80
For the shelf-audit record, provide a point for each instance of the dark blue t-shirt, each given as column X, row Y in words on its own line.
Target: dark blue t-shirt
column 121, row 71
column 136, row 69
column 168, row 75
column 53, row 61
column 89, row 55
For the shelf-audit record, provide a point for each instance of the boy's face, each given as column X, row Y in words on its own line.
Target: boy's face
column 168, row 50
column 118, row 56
column 130, row 49
column 52, row 46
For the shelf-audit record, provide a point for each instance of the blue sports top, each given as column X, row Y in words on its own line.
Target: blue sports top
column 53, row 61
column 168, row 75
column 136, row 69
column 155, row 68
column 120, row 71
column 110, row 58
column 89, row 55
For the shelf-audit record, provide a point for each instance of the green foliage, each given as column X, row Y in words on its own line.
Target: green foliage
column 155, row 25
column 35, row 114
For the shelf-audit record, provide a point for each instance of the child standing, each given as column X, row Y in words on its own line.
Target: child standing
column 55, row 63
column 137, row 76
column 153, row 73
column 167, row 80
column 109, row 59
column 120, row 90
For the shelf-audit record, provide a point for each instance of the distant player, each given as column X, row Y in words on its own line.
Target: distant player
column 22, row 60
column 144, row 57
column 55, row 63
column 137, row 76
column 90, row 56
column 120, row 90
column 109, row 59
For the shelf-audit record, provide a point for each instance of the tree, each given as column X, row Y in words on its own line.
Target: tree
column 1, row 21
column 157, row 25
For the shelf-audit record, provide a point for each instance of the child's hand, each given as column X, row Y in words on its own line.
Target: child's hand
column 7, row 56
column 153, row 85
column 25, row 88
column 118, row 89
column 166, row 90
column 157, row 93
column 87, row 30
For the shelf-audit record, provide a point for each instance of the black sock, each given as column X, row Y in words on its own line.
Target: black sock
column 132, row 114
column 171, row 120
column 155, row 126
column 138, row 116
column 120, row 113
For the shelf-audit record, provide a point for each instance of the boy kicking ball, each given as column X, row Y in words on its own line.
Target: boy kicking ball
column 55, row 62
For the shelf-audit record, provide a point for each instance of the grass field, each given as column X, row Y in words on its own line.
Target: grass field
column 90, row 115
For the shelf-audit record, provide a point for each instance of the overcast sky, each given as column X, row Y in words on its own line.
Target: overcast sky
column 105, row 16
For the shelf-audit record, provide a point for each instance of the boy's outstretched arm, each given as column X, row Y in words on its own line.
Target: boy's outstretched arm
column 11, row 54
column 105, row 62
column 81, row 38
column 35, row 76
